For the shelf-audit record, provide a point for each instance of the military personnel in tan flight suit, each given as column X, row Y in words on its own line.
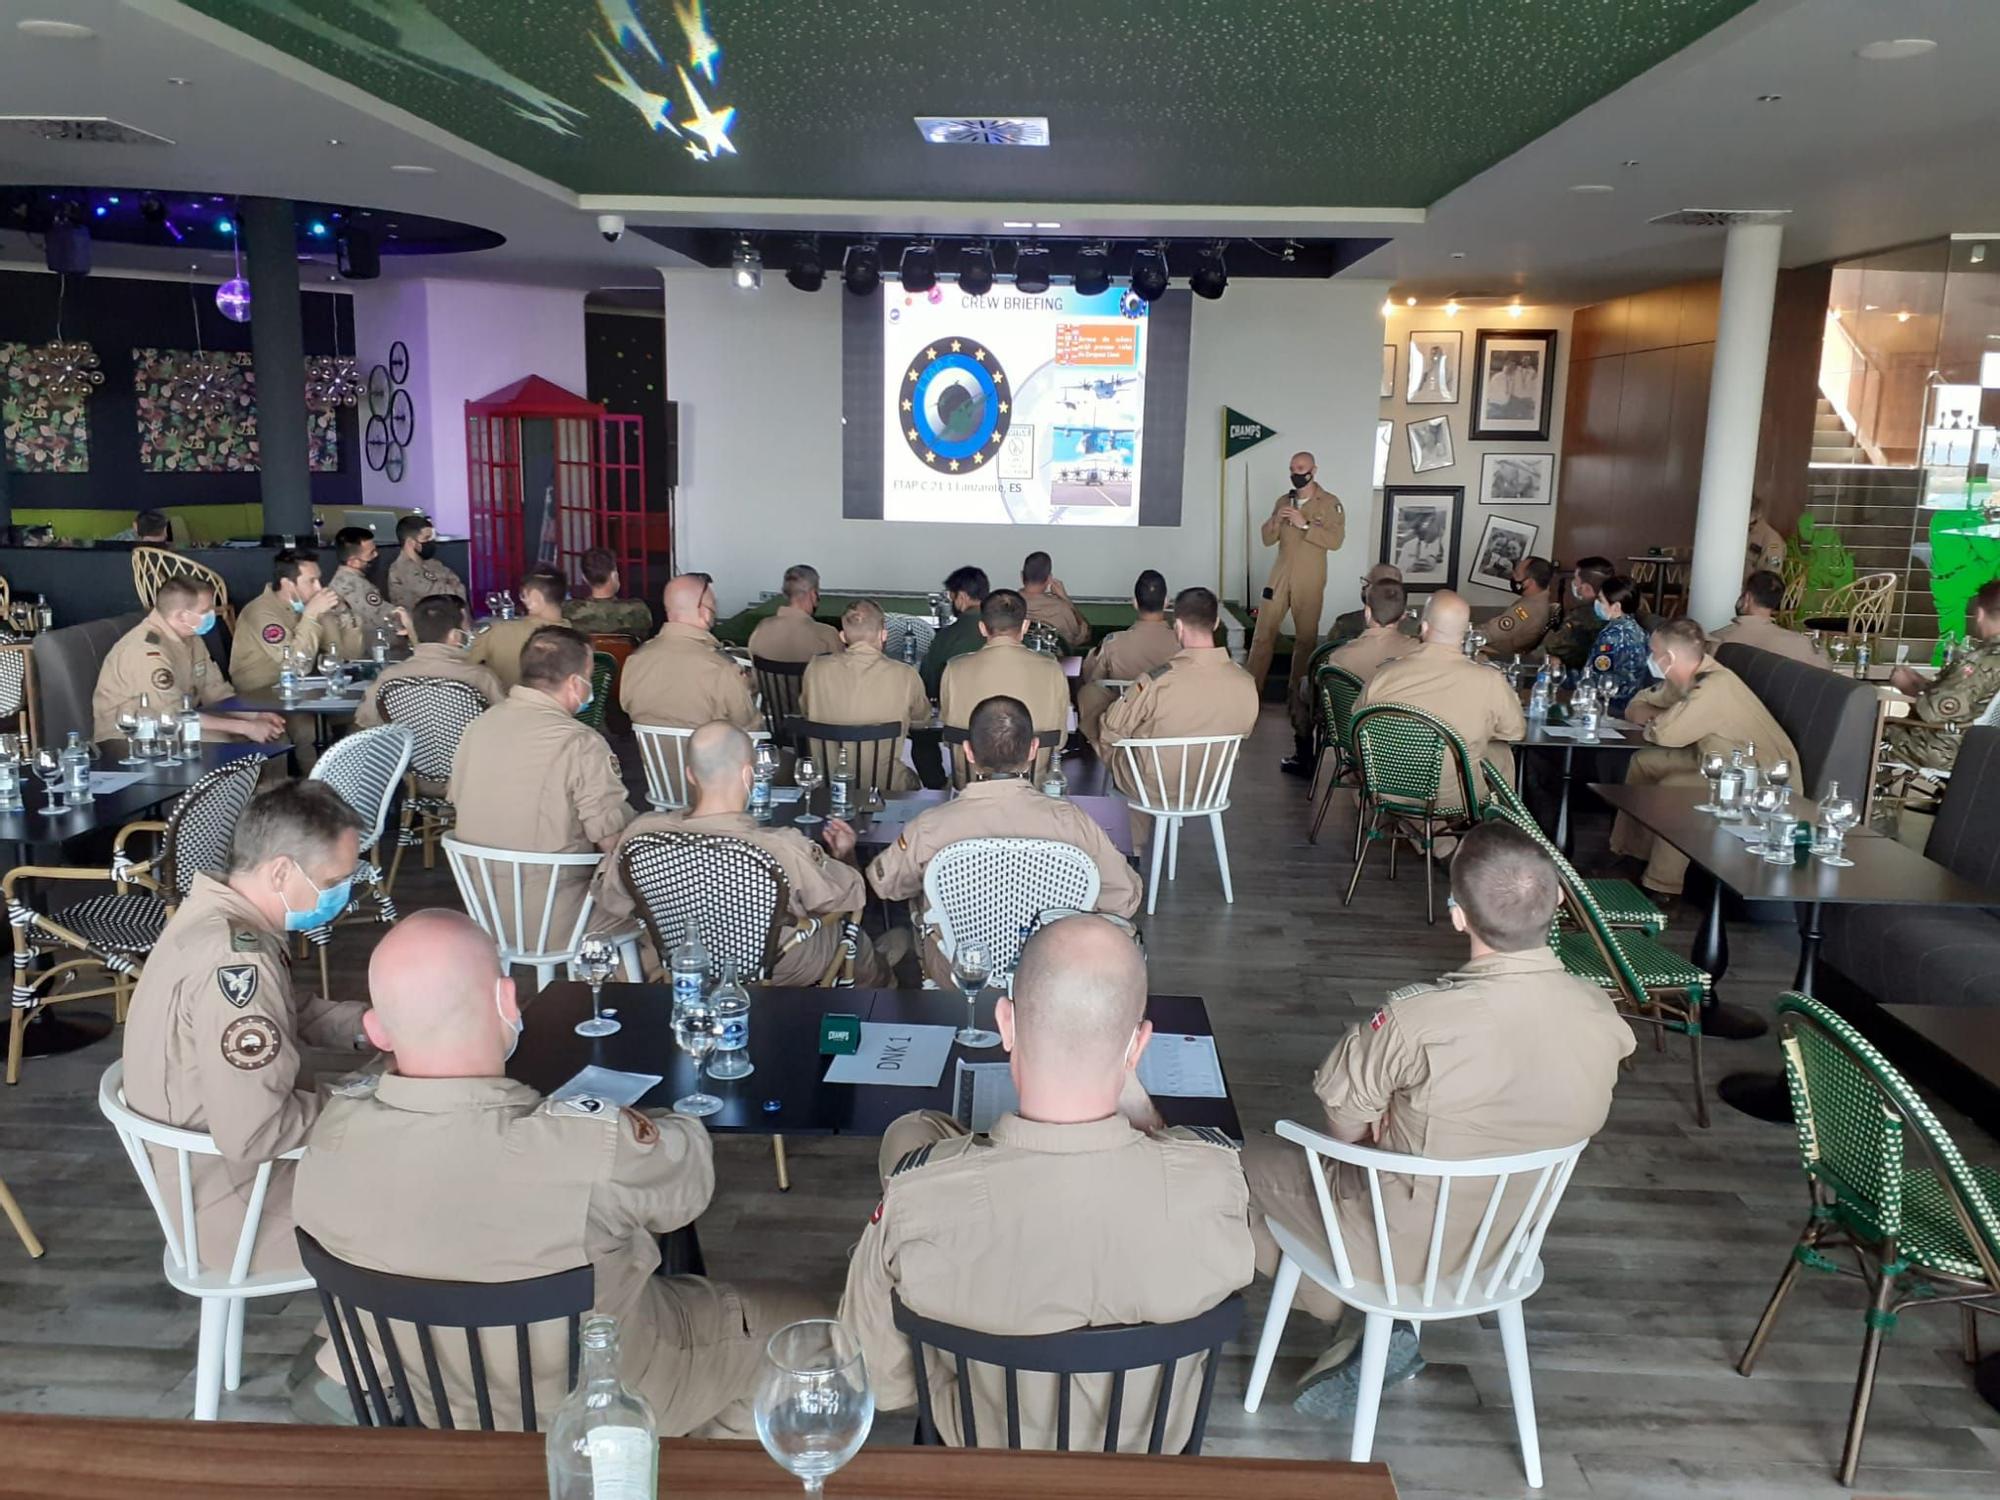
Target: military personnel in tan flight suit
column 604, row 612
column 792, row 634
column 292, row 614
column 1441, row 680
column 1521, row 629
column 1507, row 1054
column 438, row 624
column 1200, row 692
column 416, row 573
column 1347, row 626
column 366, row 610
column 1049, row 602
column 498, row 646
column 1756, row 624
column 1005, row 804
column 1128, row 655
column 163, row 658
column 862, row 686
column 1699, row 708
column 450, row 1171
column 216, row 1037
column 1003, row 667
column 682, row 678
column 1383, row 641
column 1305, row 525
column 1763, row 547
column 1080, row 1208
column 1929, row 738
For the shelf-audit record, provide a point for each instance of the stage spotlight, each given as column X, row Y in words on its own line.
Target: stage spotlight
column 975, row 270
column 919, row 267
column 1031, row 269
column 1149, row 272
column 1093, row 270
column 806, row 273
column 1211, row 277
column 746, row 267
column 862, row 270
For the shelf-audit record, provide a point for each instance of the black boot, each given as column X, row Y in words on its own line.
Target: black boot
column 1300, row 761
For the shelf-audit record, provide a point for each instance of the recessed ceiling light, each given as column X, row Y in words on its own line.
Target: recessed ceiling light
column 1451, row 308
column 1514, row 308
column 1017, row 223
column 984, row 130
column 1871, row 307
column 1903, row 317
column 1901, row 47
column 413, row 169
column 1458, row 255
column 1630, row 161
column 180, row 83
column 1048, row 224
column 1770, row 98
column 54, row 31
column 1592, row 187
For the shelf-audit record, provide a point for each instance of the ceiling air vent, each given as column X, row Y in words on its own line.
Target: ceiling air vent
column 81, row 130
column 1719, row 218
column 984, row 130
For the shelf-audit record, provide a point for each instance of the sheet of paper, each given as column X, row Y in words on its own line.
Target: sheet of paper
column 104, row 783
column 786, row 794
column 908, row 1057
column 608, row 1083
column 1750, row 833
column 1571, row 732
column 982, row 1093
column 1614, row 722
column 1181, row 1067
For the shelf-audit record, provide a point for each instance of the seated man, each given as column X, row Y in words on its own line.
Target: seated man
column 149, row 529
column 720, row 770
column 604, row 612
column 1383, row 639
column 1128, row 655
column 1521, row 630
column 1048, row 601
column 367, row 612
column 439, row 626
column 416, row 573
column 1001, row 802
column 862, row 686
column 1348, row 626
column 1947, row 703
column 1571, row 640
column 1003, row 667
column 290, row 615
column 1350, row 623
column 163, row 659
column 216, row 1038
column 1508, row 1054
column 968, row 589
column 1756, row 622
column 450, row 1171
column 682, row 678
column 1200, row 692
column 498, row 646
column 792, row 634
column 1699, row 708
column 1080, row 1208
column 1441, row 680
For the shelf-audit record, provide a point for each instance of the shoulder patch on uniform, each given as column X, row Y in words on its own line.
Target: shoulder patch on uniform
column 274, row 633
column 355, row 1085
column 1377, row 1021
column 644, row 1131
column 1604, row 661
column 1209, row 1135
column 1422, row 987
column 250, row 1043
column 1161, row 670
column 238, row 983
column 372, row 599
column 162, row 677
column 242, row 940
column 152, row 637
column 913, row 1159
column 582, row 1107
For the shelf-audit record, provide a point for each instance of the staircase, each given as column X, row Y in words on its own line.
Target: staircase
column 1832, row 443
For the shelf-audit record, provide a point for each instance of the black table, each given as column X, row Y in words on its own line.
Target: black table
column 316, row 701
column 880, row 829
column 1539, row 738
column 784, row 1047
column 212, row 755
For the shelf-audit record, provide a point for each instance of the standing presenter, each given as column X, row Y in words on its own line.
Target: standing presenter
column 1305, row 525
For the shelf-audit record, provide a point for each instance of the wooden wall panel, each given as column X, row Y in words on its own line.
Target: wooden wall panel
column 1701, row 302
column 1655, row 320
column 1600, row 330
column 1589, row 456
column 1791, row 392
column 1686, row 441
column 1645, row 424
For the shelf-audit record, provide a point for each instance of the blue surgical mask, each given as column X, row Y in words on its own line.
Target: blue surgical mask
column 298, row 606
column 331, row 903
column 1653, row 665
column 589, row 697
column 1597, row 607
column 205, row 624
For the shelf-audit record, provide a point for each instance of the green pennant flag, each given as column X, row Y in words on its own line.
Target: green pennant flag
column 1240, row 433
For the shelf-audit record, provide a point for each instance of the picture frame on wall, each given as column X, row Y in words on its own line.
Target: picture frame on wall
column 1385, row 435
column 1388, row 371
column 1503, row 543
column 1420, row 533
column 1434, row 361
column 1517, row 478
column 1430, row 445
column 1513, row 384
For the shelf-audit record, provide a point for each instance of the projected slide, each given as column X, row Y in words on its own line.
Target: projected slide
column 1013, row 408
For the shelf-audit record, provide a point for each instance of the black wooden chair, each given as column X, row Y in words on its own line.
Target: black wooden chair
column 954, row 739
column 873, row 752
column 346, row 1292
column 781, row 684
column 1108, row 1352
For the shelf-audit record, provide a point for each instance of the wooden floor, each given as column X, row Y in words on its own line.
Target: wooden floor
column 1657, row 1265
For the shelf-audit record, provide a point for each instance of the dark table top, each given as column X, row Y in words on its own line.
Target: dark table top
column 312, row 700
column 212, row 755
column 35, row 829
column 879, row 829
column 784, row 1047
column 1538, row 738
column 1884, row 873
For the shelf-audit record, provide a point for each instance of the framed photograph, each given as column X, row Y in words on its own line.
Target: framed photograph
column 1388, row 371
column 1514, row 384
column 1517, row 479
column 1434, row 360
column 1420, row 533
column 1430, row 445
column 1385, row 434
column 1503, row 543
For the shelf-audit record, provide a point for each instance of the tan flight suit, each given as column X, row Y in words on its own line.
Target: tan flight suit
column 609, row 617
column 498, row 647
column 481, row 1179
column 1763, row 549
column 1522, row 628
column 1473, row 699
column 1003, row 807
column 1058, row 614
column 1200, row 692
column 1506, row 1055
column 1766, row 634
column 819, row 886
column 412, row 580
column 214, row 1042
column 683, row 679
column 1347, row 630
column 528, row 776
column 1124, row 657
column 265, row 629
column 1929, row 738
column 1371, row 651
column 429, row 659
column 1037, row 1229
column 366, row 608
column 1718, row 714
column 1298, row 580
column 793, row 635
column 1004, row 668
column 862, row 686
column 150, row 659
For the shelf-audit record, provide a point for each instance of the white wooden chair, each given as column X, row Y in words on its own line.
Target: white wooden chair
column 514, row 896
column 222, row 1292
column 1176, row 779
column 664, row 752
column 987, row 891
column 1437, row 1294
column 366, row 768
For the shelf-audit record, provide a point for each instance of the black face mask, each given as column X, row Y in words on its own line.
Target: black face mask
column 1513, row 585
column 1300, row 481
column 427, row 550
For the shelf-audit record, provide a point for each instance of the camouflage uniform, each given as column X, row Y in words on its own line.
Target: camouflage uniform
column 1929, row 738
column 609, row 617
column 1570, row 642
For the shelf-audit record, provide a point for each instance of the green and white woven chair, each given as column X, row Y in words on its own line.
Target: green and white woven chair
column 1335, row 692
column 603, row 667
column 1919, row 1233
column 1416, row 784
column 1623, row 903
column 1650, row 982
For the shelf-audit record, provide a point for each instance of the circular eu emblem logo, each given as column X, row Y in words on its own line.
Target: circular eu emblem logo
column 954, row 405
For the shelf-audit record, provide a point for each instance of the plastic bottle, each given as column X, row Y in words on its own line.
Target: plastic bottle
column 690, row 968
column 288, row 673
column 760, row 791
column 604, row 1443
column 1538, row 699
column 190, row 724
column 76, row 769
column 731, row 1003
column 149, row 725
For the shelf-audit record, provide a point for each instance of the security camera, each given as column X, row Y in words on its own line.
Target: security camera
column 611, row 226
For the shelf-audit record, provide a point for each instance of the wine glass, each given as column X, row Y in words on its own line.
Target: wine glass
column 813, row 1404
column 766, row 760
column 168, row 729
column 596, row 961
column 694, row 1034
column 329, row 663
column 806, row 774
column 1836, row 649
column 1836, row 815
column 1780, row 774
column 970, row 966
column 49, row 767
column 1711, row 770
column 128, row 725
column 1764, row 801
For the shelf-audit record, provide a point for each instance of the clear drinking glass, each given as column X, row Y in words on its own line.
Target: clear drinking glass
column 694, row 1034
column 1763, row 801
column 128, row 725
column 806, row 774
column 49, row 768
column 813, row 1404
column 596, row 961
column 1836, row 815
column 169, row 735
column 970, row 966
column 1711, row 769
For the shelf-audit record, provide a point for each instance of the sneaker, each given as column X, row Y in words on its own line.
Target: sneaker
column 1335, row 1391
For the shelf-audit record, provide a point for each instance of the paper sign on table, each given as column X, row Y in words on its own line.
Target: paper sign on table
column 1181, row 1067
column 1569, row 732
column 104, row 783
column 608, row 1083
column 910, row 1057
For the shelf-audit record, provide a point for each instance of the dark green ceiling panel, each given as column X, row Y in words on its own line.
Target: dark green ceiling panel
column 1388, row 103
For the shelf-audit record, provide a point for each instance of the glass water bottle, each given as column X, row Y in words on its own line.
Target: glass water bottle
column 604, row 1443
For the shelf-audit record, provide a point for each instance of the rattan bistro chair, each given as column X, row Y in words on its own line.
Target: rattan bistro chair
column 1860, row 607
column 993, row 892
column 1416, row 783
column 366, row 768
column 17, row 691
column 1623, row 903
column 1335, row 692
column 1919, row 1234
column 436, row 711
column 153, row 566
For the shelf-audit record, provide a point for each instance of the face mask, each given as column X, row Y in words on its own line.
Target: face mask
column 1659, row 672
column 427, row 550
column 1576, row 591
column 1513, row 585
column 298, row 606
column 1597, row 608
column 331, row 903
column 205, row 624
column 589, row 697
column 513, row 1027
column 1300, row 481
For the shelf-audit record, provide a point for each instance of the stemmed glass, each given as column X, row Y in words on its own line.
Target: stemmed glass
column 49, row 767
column 1780, row 774
column 1711, row 770
column 128, row 725
column 806, row 774
column 970, row 966
column 596, row 961
column 813, row 1404
column 1766, row 800
column 694, row 1034
column 1836, row 816
column 169, row 735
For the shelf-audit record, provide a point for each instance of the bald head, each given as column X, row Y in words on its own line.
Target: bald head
column 1302, row 461
column 1446, row 618
column 440, row 1000
column 1079, row 995
column 719, row 758
column 690, row 601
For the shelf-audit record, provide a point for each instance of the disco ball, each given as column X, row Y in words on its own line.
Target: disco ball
column 232, row 300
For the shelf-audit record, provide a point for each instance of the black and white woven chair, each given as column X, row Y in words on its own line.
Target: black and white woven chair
column 991, row 891
column 436, row 711
column 113, row 933
column 17, row 691
column 366, row 768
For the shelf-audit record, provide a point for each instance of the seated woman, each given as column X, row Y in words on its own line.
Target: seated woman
column 1618, row 656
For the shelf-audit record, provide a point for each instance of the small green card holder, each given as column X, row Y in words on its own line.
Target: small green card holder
column 839, row 1034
